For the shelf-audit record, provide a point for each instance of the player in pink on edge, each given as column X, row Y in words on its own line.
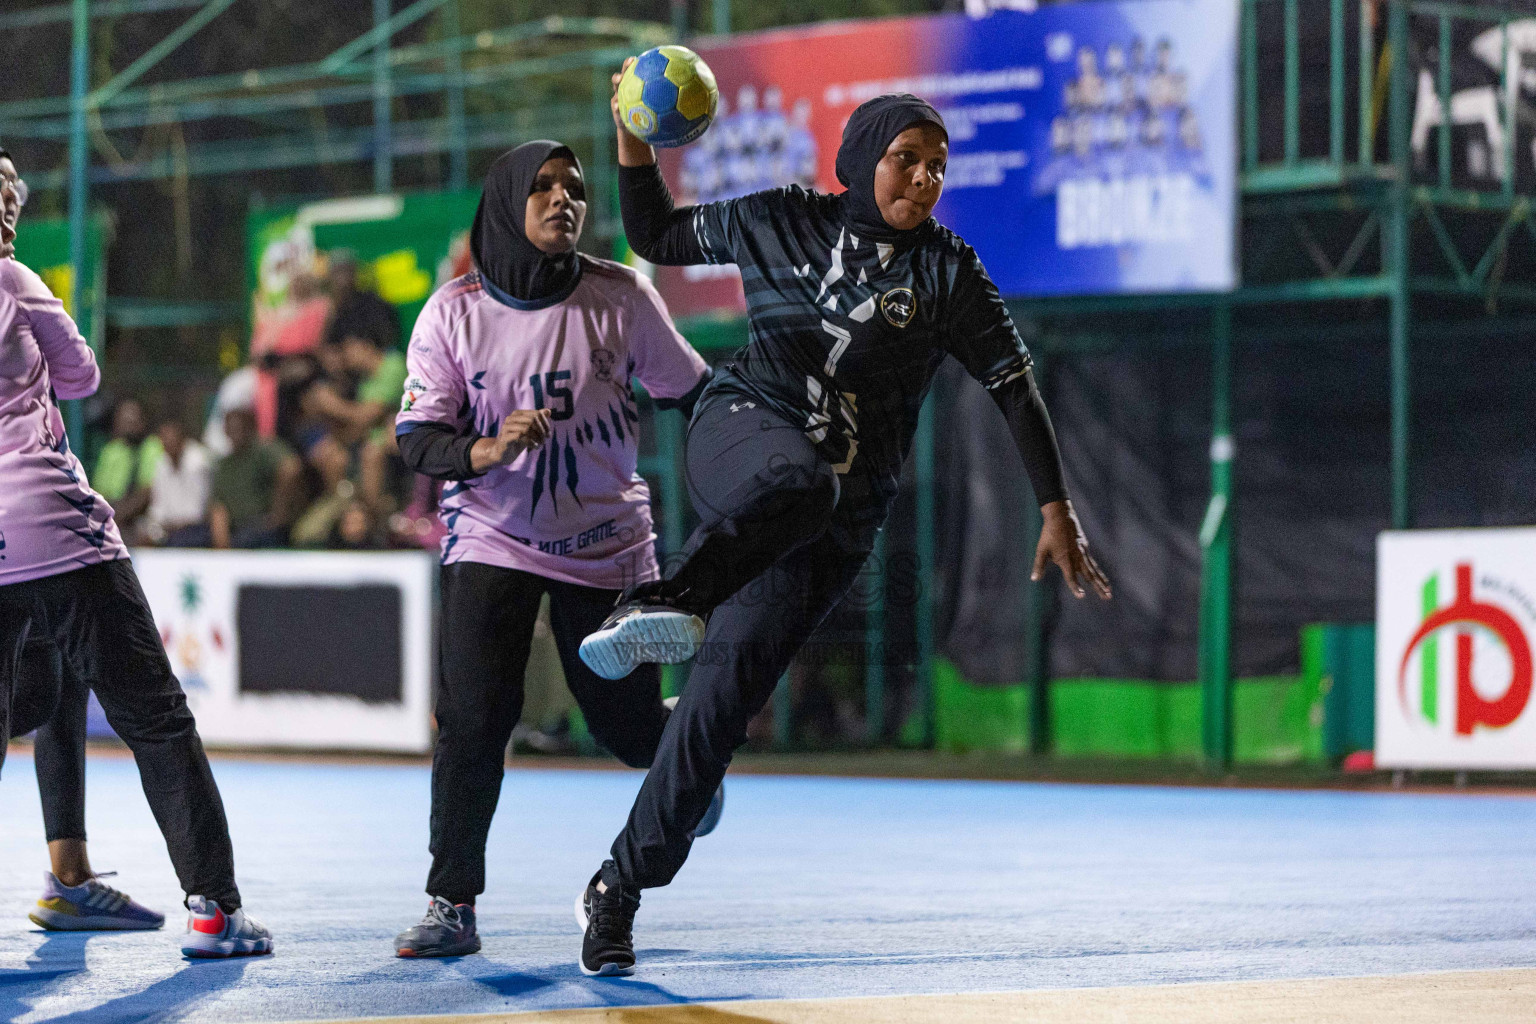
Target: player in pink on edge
column 519, row 393
column 65, row 573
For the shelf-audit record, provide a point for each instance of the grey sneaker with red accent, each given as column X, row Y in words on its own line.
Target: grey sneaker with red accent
column 447, row 930
column 214, row 934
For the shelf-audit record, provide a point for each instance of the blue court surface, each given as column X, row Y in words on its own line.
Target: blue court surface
column 812, row 887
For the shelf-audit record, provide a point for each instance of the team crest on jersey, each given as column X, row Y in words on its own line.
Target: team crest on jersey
column 898, row 306
column 414, row 388
column 602, row 364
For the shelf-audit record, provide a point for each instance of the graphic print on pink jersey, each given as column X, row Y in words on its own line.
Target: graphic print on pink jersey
column 557, row 457
column 558, row 451
column 82, row 499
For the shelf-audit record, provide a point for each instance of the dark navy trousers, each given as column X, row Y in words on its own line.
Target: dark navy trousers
column 773, row 555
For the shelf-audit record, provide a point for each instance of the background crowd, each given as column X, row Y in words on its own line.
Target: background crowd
column 298, row 446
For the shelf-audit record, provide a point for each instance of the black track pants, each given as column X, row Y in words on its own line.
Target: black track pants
column 59, row 747
column 487, row 629
column 98, row 618
column 769, row 506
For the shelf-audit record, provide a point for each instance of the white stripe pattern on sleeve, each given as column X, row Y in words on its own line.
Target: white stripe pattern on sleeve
column 1008, row 372
column 700, row 235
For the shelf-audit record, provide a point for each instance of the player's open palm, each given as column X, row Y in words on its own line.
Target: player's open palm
column 1062, row 541
column 523, row 430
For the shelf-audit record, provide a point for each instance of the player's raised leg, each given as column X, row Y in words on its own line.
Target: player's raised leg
column 761, row 491
column 625, row 716
column 752, row 639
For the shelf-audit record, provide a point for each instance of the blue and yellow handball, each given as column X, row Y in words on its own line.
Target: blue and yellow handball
column 668, row 96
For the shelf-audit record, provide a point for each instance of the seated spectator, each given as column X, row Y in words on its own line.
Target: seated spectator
column 236, row 391
column 418, row 525
column 357, row 311
column 126, row 466
column 329, row 461
column 356, row 530
column 370, row 418
column 371, row 415
column 256, row 488
column 178, row 502
column 298, row 422
column 295, row 330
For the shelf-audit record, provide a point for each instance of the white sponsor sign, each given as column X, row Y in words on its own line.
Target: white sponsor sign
column 1455, row 630
column 194, row 596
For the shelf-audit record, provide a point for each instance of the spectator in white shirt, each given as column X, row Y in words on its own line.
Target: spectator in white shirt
column 178, row 502
column 237, row 391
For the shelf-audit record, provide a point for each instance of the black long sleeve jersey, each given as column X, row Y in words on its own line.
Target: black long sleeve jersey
column 845, row 333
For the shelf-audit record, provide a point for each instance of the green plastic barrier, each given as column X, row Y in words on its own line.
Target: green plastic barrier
column 1277, row 719
column 1339, row 659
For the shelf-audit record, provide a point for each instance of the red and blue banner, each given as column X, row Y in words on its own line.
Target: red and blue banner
column 1092, row 145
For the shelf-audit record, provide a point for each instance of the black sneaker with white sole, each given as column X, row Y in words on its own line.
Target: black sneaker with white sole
column 607, row 920
column 642, row 631
column 447, row 930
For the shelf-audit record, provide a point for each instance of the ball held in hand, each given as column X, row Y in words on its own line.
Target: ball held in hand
column 668, row 96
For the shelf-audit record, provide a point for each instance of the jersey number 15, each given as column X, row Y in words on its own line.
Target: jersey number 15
column 549, row 384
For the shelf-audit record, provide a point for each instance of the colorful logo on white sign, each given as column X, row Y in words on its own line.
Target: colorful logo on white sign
column 1476, row 646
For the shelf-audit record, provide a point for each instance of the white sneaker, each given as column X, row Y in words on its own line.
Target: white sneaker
column 641, row 632
column 211, row 933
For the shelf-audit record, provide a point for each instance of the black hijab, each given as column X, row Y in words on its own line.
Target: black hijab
column 514, row 267
column 869, row 130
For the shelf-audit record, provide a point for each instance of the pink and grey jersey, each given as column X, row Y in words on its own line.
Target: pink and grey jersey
column 576, row 509
column 50, row 519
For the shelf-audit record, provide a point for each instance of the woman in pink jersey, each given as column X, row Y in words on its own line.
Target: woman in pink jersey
column 51, row 697
column 519, row 394
column 65, row 574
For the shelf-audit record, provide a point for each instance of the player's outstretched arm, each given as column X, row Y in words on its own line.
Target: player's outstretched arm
column 1062, row 540
column 983, row 338
column 654, row 228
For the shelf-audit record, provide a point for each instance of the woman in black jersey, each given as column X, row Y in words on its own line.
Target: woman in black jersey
column 795, row 451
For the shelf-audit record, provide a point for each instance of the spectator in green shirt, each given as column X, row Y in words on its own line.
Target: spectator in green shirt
column 383, row 384
column 256, row 491
column 125, row 469
column 380, row 373
column 368, row 420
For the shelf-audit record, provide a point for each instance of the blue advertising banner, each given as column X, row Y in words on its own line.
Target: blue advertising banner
column 1093, row 146
column 1115, row 168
